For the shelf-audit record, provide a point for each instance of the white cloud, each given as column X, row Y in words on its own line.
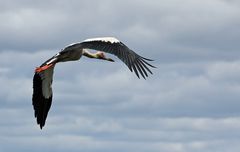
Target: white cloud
column 190, row 103
column 225, row 72
column 186, row 30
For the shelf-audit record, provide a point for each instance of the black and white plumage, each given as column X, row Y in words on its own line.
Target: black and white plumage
column 43, row 77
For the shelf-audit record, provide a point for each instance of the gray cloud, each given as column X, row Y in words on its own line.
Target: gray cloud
column 169, row 30
column 189, row 104
column 185, row 107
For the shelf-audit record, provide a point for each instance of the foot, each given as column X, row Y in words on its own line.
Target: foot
column 45, row 67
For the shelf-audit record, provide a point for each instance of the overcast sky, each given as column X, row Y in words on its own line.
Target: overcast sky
column 190, row 103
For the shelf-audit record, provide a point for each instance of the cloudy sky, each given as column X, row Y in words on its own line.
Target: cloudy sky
column 190, row 103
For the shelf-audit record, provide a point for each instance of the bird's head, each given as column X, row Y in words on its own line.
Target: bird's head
column 101, row 55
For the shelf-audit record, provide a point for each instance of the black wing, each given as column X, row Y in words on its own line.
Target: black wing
column 135, row 62
column 42, row 95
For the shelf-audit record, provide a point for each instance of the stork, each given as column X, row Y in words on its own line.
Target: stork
column 43, row 77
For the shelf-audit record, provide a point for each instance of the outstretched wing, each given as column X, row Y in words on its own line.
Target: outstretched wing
column 42, row 94
column 135, row 62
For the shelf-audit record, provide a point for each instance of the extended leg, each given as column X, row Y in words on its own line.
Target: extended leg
column 45, row 67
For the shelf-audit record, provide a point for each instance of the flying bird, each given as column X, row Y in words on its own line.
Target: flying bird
column 43, row 77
